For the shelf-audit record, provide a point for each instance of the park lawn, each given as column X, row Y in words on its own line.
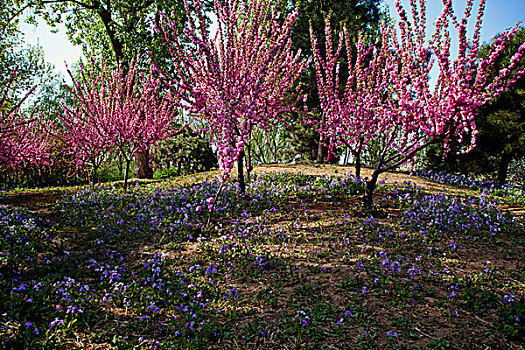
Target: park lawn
column 294, row 264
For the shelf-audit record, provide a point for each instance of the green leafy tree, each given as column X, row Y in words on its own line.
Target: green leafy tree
column 27, row 61
column 188, row 152
column 9, row 18
column 116, row 30
column 502, row 122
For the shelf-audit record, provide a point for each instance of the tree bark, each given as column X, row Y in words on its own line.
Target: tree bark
column 347, row 153
column 320, row 151
column 126, row 175
column 106, row 17
column 94, row 176
column 358, row 158
column 240, row 173
column 369, row 191
column 358, row 164
column 179, row 167
column 120, row 165
column 504, row 163
column 142, row 169
column 320, row 148
column 249, row 166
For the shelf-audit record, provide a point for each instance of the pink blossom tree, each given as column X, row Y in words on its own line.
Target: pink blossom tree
column 350, row 108
column 413, row 112
column 128, row 112
column 22, row 139
column 82, row 128
column 240, row 78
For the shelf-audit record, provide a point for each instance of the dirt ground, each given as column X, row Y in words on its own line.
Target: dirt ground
column 389, row 178
column 341, row 170
column 42, row 200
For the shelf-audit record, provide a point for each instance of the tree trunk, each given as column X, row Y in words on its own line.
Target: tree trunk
column 320, row 148
column 360, row 147
column 369, row 191
column 118, row 46
column 120, row 165
column 249, row 166
column 358, row 163
column 179, row 167
column 126, row 175
column 506, row 158
column 240, row 173
column 142, row 168
column 94, row 176
column 320, row 151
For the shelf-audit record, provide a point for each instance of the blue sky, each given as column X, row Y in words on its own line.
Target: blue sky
column 56, row 46
column 499, row 14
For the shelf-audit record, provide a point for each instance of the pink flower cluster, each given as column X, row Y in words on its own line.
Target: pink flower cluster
column 389, row 95
column 23, row 140
column 116, row 110
column 239, row 79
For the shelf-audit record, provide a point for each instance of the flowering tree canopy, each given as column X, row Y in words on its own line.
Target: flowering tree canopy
column 446, row 109
column 238, row 79
column 83, row 130
column 428, row 113
column 22, row 140
column 351, row 112
column 394, row 92
column 115, row 110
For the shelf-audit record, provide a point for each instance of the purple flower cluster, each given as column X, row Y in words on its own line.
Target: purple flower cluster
column 106, row 258
column 22, row 236
column 444, row 214
column 492, row 188
column 56, row 299
column 456, row 180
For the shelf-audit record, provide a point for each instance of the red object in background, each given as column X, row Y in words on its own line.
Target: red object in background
column 331, row 157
